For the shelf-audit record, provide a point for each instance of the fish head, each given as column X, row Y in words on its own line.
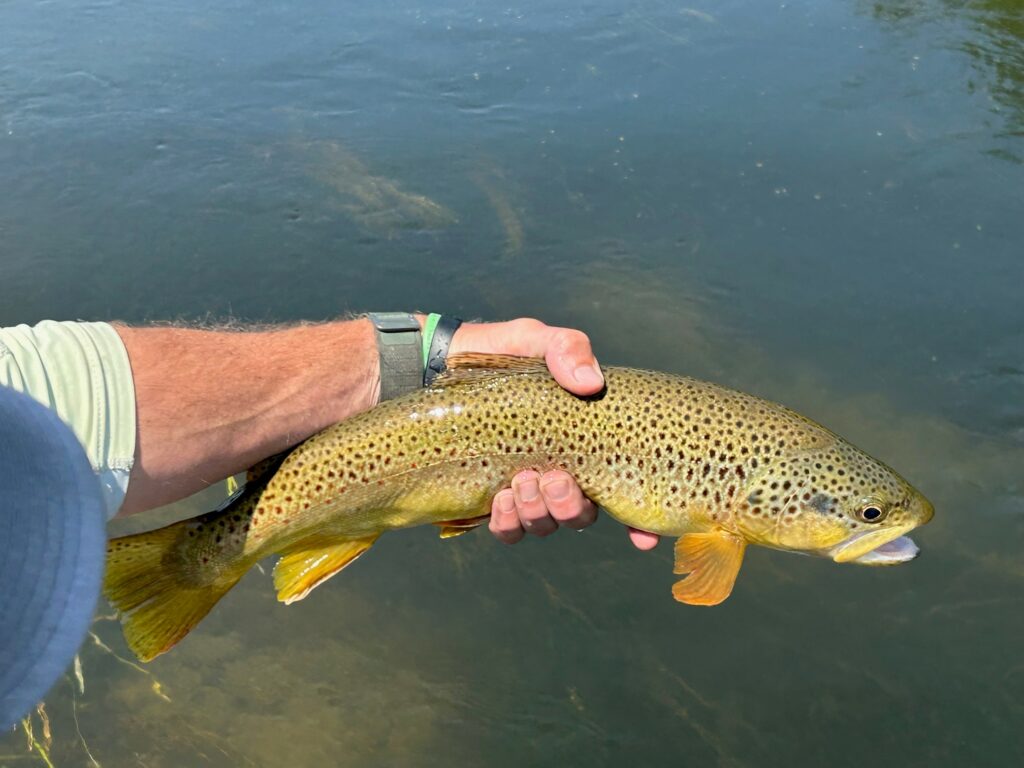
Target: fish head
column 836, row 502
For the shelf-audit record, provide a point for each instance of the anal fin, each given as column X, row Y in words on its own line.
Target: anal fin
column 452, row 528
column 303, row 569
column 712, row 561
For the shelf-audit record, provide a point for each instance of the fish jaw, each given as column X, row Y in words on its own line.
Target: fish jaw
column 888, row 546
column 899, row 550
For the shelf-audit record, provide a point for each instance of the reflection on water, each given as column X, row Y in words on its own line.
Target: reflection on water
column 992, row 33
column 793, row 201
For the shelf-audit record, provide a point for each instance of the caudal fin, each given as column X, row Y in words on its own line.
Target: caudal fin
column 159, row 594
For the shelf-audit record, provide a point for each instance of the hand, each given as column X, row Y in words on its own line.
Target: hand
column 539, row 503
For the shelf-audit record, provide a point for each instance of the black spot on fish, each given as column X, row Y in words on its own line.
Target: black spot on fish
column 821, row 503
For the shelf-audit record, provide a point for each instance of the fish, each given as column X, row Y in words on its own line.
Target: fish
column 717, row 469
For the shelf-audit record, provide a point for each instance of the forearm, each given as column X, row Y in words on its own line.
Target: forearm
column 213, row 403
column 169, row 411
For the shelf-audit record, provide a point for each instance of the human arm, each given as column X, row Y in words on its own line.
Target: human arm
column 212, row 403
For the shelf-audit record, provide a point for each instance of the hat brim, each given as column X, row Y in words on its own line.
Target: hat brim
column 52, row 550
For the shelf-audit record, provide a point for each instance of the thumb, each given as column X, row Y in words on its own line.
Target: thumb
column 571, row 361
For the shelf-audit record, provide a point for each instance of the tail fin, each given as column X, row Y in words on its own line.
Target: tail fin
column 159, row 594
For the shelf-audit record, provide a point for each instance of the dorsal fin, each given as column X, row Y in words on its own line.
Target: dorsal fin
column 468, row 367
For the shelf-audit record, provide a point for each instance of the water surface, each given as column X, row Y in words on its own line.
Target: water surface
column 819, row 202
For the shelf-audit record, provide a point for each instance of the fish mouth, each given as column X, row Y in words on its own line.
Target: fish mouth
column 885, row 547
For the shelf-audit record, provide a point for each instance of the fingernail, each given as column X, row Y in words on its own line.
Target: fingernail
column 557, row 490
column 588, row 376
column 506, row 503
column 527, row 490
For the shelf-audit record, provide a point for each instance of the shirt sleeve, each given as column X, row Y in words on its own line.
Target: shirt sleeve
column 81, row 371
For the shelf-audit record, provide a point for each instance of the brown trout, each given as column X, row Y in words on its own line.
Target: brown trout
column 672, row 455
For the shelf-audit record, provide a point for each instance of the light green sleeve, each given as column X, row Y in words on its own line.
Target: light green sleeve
column 81, row 371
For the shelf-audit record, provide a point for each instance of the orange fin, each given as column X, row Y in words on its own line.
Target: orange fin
column 160, row 595
column 712, row 561
column 468, row 367
column 300, row 571
column 451, row 528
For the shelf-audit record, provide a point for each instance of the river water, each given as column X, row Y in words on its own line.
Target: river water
column 818, row 202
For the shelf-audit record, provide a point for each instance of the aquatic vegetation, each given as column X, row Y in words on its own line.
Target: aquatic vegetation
column 39, row 743
column 493, row 182
column 375, row 202
column 42, row 747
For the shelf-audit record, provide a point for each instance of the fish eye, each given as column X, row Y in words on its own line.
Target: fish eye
column 871, row 513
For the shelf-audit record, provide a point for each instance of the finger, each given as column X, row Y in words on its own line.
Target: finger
column 524, row 337
column 571, row 361
column 533, row 513
column 643, row 540
column 565, row 501
column 567, row 352
column 504, row 523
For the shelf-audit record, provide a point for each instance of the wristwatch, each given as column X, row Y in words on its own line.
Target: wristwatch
column 410, row 359
column 400, row 346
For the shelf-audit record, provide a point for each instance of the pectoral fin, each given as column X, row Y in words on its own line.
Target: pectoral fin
column 712, row 561
column 302, row 570
column 450, row 528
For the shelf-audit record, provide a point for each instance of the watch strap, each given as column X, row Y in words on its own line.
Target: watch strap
column 399, row 347
column 437, row 345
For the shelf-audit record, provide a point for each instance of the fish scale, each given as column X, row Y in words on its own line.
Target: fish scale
column 718, row 469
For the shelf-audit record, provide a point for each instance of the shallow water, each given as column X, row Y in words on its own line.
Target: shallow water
column 819, row 202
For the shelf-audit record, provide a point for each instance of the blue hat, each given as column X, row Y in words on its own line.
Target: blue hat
column 52, row 547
